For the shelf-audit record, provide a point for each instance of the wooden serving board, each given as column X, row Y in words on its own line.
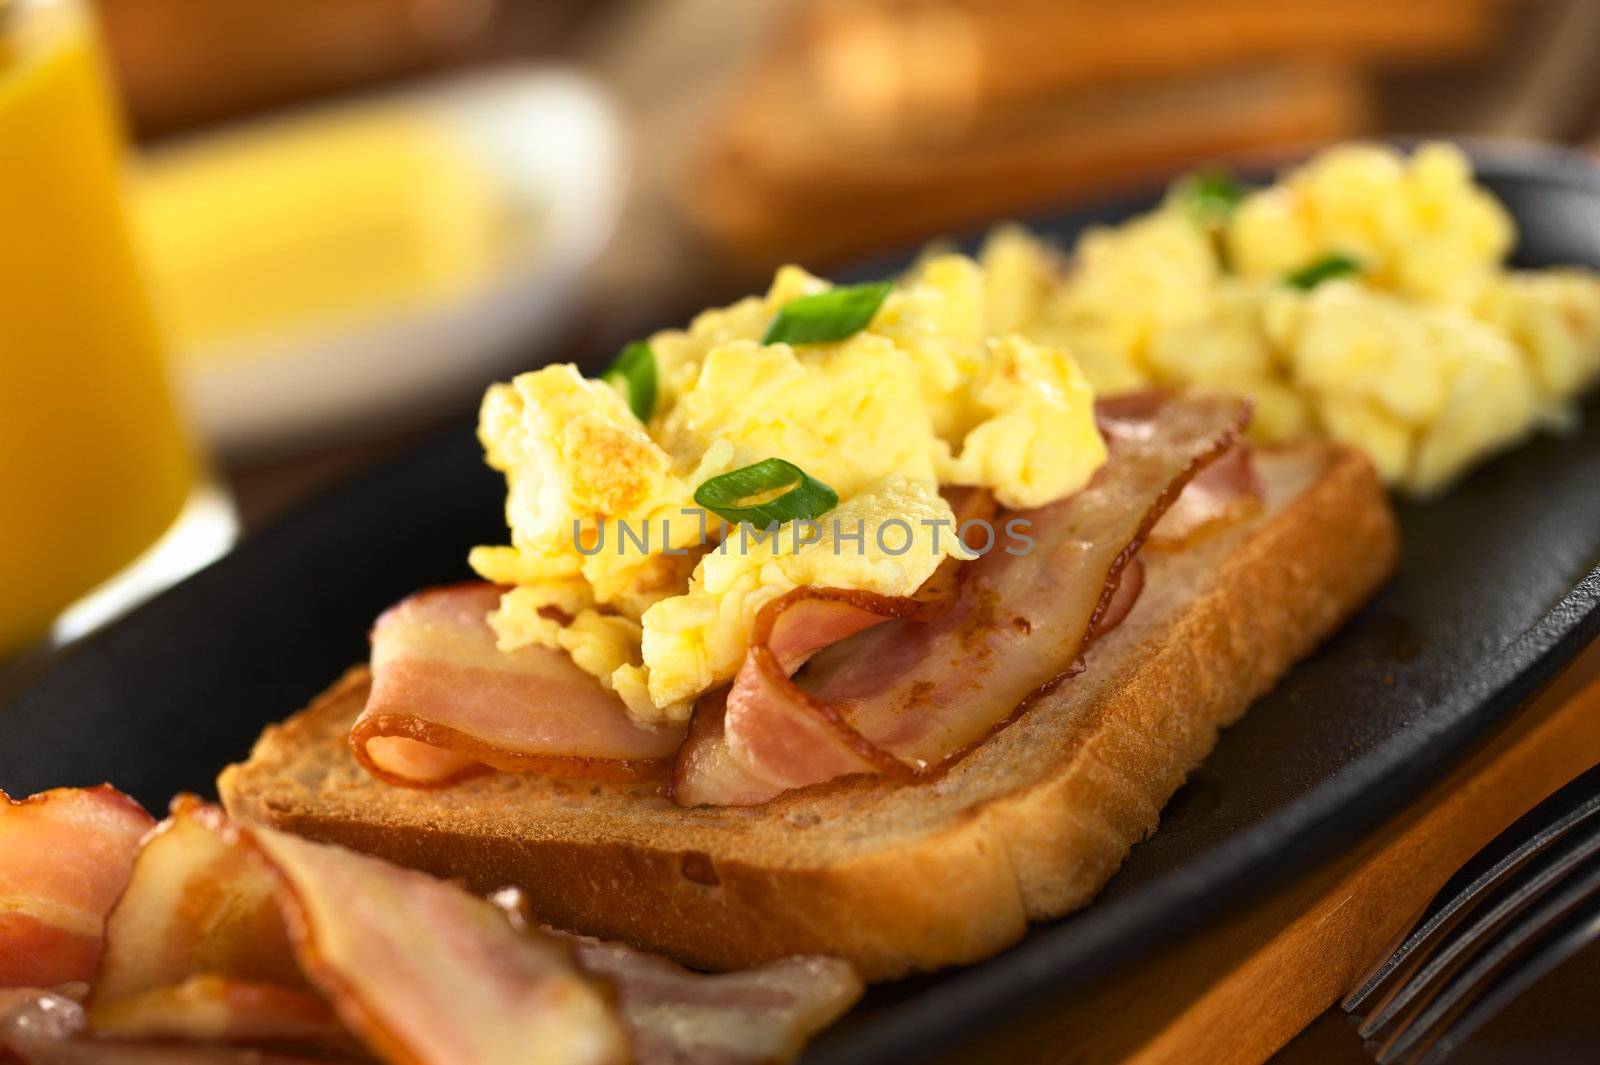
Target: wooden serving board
column 1241, row 990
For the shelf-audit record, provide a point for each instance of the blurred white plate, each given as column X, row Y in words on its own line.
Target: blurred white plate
column 554, row 141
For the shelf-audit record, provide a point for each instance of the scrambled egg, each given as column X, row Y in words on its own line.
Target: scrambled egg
column 1423, row 349
column 1430, row 356
column 704, row 632
column 611, row 559
column 1418, row 225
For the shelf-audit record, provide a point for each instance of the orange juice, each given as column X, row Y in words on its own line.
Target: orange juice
column 94, row 464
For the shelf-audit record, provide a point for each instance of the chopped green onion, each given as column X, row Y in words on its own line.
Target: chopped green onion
column 1315, row 273
column 832, row 315
column 746, row 494
column 1210, row 196
column 635, row 368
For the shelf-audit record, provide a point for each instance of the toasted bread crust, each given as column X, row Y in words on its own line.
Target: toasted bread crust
column 894, row 878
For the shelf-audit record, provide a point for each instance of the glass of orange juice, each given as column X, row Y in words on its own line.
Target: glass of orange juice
column 98, row 478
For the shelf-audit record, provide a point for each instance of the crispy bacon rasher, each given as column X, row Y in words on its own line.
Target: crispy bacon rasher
column 232, row 936
column 64, row 856
column 447, row 703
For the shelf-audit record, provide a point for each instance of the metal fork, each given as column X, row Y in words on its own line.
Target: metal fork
column 1521, row 907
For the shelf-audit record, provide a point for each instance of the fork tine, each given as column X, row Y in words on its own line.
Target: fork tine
column 1480, row 920
column 1502, row 858
column 1499, row 960
column 1555, row 947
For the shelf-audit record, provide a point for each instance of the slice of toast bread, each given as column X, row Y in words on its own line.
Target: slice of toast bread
column 895, row 878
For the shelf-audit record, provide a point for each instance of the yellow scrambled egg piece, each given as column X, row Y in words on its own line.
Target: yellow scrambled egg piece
column 1418, row 225
column 1429, row 357
column 578, row 464
column 1425, row 389
column 880, row 540
column 934, row 391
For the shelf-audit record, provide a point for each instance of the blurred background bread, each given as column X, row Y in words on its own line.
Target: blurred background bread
column 894, row 116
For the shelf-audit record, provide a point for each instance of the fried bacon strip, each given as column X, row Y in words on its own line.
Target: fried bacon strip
column 679, row 1016
column 64, row 856
column 906, row 697
column 1226, row 491
column 243, row 933
column 424, row 972
column 229, row 938
column 46, row 1028
column 447, row 703
column 196, row 948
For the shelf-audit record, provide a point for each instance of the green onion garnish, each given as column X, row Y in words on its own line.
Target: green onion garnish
column 832, row 315
column 1210, row 196
column 746, row 494
column 635, row 368
column 1315, row 273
